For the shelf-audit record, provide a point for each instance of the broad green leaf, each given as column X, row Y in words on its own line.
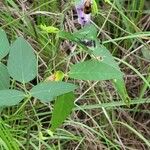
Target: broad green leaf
column 100, row 51
column 47, row 91
column 62, row 108
column 68, row 36
column 121, row 88
column 4, row 77
column 22, row 61
column 4, row 44
column 88, row 32
column 78, row 39
column 94, row 70
column 10, row 97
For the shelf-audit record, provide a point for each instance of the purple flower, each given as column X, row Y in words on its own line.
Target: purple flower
column 83, row 18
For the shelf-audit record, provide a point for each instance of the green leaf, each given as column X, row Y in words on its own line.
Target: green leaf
column 4, row 77
column 67, row 36
column 121, row 88
column 47, row 91
column 100, row 51
column 4, row 44
column 22, row 61
column 94, row 70
column 10, row 97
column 88, row 32
column 62, row 108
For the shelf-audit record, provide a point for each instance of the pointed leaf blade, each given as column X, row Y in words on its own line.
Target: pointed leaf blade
column 102, row 52
column 22, row 61
column 121, row 89
column 94, row 70
column 62, row 108
column 47, row 91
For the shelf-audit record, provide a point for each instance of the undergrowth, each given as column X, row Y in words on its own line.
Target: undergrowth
column 106, row 115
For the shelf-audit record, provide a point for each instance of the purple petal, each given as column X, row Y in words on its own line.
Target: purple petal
column 83, row 18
